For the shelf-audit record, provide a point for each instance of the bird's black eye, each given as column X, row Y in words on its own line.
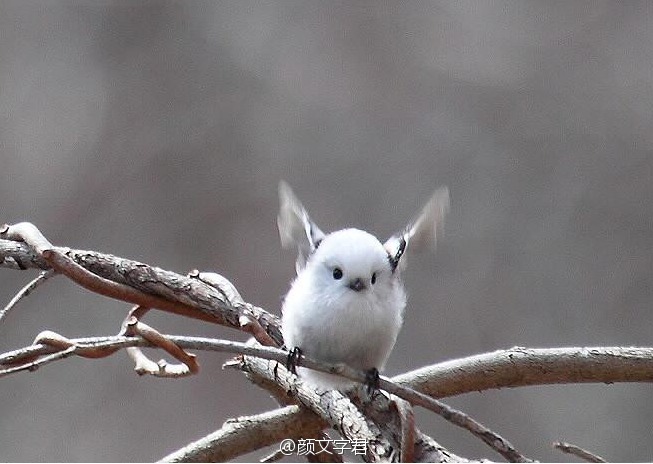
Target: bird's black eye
column 373, row 280
column 337, row 273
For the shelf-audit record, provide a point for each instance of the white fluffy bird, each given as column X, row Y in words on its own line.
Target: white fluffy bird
column 347, row 303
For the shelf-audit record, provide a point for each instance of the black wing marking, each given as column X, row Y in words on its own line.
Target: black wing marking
column 422, row 231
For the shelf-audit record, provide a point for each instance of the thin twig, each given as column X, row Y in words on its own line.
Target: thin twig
column 59, row 342
column 111, row 343
column 458, row 418
column 371, row 436
column 188, row 365
column 275, row 456
column 34, row 365
column 578, row 452
column 533, row 366
column 26, row 290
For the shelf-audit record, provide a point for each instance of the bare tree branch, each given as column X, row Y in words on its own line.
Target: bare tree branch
column 520, row 367
column 248, row 433
column 407, row 416
column 26, row 290
column 273, row 457
column 338, row 411
column 136, row 283
column 20, row 257
column 641, row 356
column 456, row 417
column 332, row 406
column 213, row 298
column 533, row 366
column 578, row 452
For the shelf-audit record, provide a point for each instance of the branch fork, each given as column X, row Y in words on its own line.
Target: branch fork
column 385, row 423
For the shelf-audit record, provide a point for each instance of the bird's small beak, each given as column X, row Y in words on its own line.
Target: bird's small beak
column 357, row 285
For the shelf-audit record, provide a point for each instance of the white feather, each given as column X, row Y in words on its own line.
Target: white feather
column 353, row 316
column 331, row 322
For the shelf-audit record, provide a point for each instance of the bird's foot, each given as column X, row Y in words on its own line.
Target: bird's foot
column 372, row 380
column 293, row 359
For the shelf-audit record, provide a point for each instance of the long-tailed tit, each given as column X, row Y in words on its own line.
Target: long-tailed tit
column 347, row 303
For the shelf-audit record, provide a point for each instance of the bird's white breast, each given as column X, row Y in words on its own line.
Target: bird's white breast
column 335, row 324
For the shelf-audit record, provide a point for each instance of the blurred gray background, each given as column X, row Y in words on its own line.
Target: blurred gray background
column 159, row 130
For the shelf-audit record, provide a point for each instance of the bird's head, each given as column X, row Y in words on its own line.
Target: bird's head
column 351, row 260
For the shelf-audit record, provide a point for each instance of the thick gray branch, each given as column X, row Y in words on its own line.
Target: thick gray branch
column 338, row 412
column 332, row 406
column 249, row 433
column 16, row 255
column 520, row 367
column 505, row 368
column 218, row 306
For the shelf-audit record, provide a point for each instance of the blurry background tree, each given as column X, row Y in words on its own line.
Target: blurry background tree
column 159, row 130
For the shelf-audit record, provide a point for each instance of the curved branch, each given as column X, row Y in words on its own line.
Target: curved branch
column 197, row 297
column 578, row 452
column 248, row 433
column 505, row 368
column 511, row 368
column 339, row 412
column 333, row 408
column 521, row 367
column 26, row 290
column 20, row 257
column 138, row 283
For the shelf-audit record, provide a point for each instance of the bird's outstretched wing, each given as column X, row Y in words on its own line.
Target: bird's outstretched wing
column 422, row 231
column 296, row 227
